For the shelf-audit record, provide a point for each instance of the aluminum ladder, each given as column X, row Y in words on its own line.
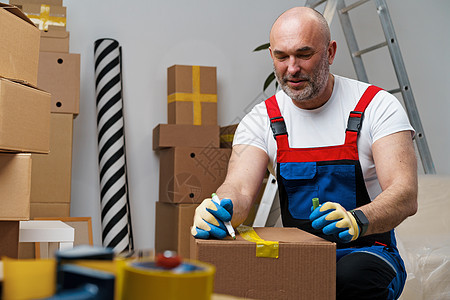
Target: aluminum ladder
column 332, row 6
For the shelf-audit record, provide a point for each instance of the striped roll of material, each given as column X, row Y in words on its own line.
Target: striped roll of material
column 116, row 223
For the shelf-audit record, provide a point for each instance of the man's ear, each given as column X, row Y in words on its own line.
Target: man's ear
column 332, row 46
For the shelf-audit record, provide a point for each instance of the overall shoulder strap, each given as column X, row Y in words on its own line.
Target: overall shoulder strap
column 356, row 116
column 277, row 123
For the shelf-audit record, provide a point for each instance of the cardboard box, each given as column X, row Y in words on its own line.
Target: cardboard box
column 15, row 183
column 9, row 239
column 59, row 74
column 189, row 175
column 26, row 251
column 174, row 135
column 52, row 173
column 227, row 135
column 304, row 269
column 19, row 50
column 192, row 95
column 55, row 40
column 49, row 210
column 173, row 227
column 24, row 118
column 49, row 2
column 44, row 15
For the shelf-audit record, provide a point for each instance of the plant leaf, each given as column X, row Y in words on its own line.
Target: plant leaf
column 269, row 80
column 262, row 47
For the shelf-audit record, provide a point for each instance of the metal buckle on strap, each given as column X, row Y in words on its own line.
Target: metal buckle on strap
column 278, row 126
column 354, row 122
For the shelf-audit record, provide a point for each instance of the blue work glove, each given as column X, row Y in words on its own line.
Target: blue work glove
column 209, row 219
column 333, row 219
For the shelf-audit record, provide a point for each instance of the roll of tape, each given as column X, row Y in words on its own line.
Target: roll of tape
column 191, row 280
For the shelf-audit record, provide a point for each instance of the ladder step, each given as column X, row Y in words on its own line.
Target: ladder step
column 374, row 47
column 352, row 6
column 394, row 91
column 313, row 4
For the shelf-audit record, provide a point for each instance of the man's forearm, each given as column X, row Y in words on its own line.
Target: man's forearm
column 241, row 203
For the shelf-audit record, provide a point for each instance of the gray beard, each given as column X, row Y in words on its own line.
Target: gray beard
column 316, row 83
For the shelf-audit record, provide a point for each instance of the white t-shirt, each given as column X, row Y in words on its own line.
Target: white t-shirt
column 325, row 126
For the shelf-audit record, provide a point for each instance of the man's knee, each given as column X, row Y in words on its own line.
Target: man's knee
column 361, row 275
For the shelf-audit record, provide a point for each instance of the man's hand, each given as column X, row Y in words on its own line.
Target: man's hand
column 332, row 218
column 209, row 219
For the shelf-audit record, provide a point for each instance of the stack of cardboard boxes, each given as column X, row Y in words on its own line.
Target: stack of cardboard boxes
column 192, row 164
column 59, row 74
column 24, row 121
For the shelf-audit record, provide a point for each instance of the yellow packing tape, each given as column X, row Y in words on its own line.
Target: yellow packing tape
column 28, row 278
column 196, row 97
column 44, row 19
column 227, row 138
column 263, row 248
column 148, row 283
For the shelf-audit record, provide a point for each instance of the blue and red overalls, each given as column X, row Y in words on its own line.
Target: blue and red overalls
column 330, row 173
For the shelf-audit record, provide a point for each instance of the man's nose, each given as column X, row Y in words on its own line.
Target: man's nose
column 293, row 66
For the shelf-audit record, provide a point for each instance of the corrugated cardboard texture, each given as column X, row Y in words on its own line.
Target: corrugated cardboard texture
column 59, row 74
column 19, row 50
column 24, row 118
column 227, row 135
column 51, row 174
column 179, row 80
column 305, row 269
column 60, row 210
column 26, row 250
column 189, row 175
column 175, row 135
column 15, row 183
column 173, row 227
column 55, row 40
column 49, row 2
column 9, row 239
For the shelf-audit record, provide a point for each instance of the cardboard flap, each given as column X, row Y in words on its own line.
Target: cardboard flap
column 16, row 11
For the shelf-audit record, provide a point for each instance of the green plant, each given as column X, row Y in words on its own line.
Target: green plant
column 271, row 76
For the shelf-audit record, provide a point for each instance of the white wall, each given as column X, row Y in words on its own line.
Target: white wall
column 157, row 34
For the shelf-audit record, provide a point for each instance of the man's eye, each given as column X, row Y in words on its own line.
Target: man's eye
column 305, row 55
column 282, row 57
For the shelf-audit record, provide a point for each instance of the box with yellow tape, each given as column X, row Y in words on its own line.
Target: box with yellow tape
column 271, row 263
column 192, row 95
column 227, row 135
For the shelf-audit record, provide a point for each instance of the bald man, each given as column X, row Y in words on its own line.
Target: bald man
column 345, row 142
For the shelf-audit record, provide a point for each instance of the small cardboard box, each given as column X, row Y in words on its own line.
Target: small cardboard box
column 44, row 15
column 55, row 40
column 189, row 175
column 15, row 183
column 59, row 74
column 9, row 239
column 174, row 135
column 227, row 135
column 24, row 118
column 192, row 95
column 305, row 267
column 51, row 174
column 19, row 50
column 173, row 227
